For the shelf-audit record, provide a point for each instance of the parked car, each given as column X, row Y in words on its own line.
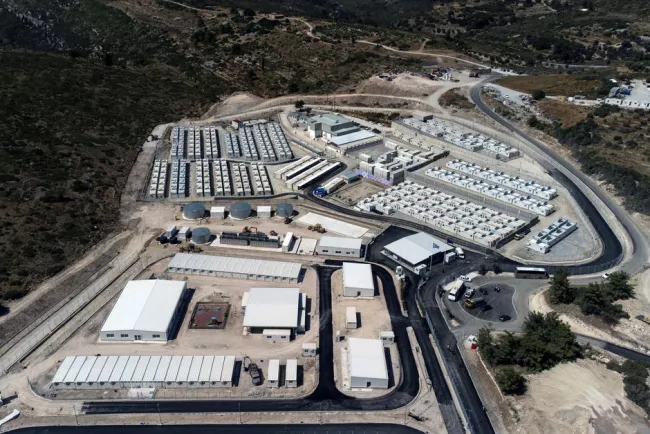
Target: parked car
column 256, row 375
column 606, row 276
column 469, row 293
column 504, row 318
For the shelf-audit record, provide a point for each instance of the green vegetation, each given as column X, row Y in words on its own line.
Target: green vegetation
column 538, row 94
column 545, row 342
column 596, row 299
column 635, row 379
column 510, row 381
column 453, row 98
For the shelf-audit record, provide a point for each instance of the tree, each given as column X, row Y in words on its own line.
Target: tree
column 299, row 104
column 619, row 287
column 538, row 94
column 510, row 381
column 496, row 268
column 482, row 270
column 485, row 344
column 561, row 291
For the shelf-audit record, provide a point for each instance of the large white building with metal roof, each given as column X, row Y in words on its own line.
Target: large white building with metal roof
column 339, row 246
column 235, row 268
column 275, row 308
column 103, row 372
column 147, row 310
column 367, row 364
column 358, row 280
column 417, row 252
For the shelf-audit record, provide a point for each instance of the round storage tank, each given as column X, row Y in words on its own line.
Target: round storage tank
column 240, row 211
column 284, row 210
column 194, row 211
column 201, row 235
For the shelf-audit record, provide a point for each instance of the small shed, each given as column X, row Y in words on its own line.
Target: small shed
column 309, row 349
column 273, row 375
column 287, row 242
column 277, row 335
column 351, row 317
column 171, row 231
column 264, row 211
column 218, row 212
column 291, row 376
column 387, row 337
column 183, row 233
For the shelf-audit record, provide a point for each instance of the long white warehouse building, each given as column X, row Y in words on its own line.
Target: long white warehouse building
column 111, row 372
column 147, row 310
column 235, row 268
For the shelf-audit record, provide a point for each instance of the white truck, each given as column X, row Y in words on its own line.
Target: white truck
column 460, row 253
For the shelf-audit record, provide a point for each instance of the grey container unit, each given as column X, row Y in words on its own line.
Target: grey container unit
column 93, row 376
column 59, row 375
column 140, row 369
column 149, row 377
column 184, row 371
column 172, row 371
column 206, row 369
column 195, row 371
column 80, row 381
column 116, row 375
column 272, row 244
column 129, row 370
column 232, row 240
column 160, row 376
column 107, row 371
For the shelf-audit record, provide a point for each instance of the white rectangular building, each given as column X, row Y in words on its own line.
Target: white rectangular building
column 277, row 335
column 309, row 349
column 351, row 317
column 264, row 211
column 339, row 246
column 273, row 308
column 273, row 374
column 358, row 280
column 367, row 364
column 147, row 310
column 291, row 374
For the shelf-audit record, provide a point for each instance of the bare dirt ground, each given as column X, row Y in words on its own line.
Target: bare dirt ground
column 350, row 194
column 401, row 85
column 374, row 319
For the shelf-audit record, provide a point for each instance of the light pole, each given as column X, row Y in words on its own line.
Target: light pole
column 74, row 409
column 159, row 415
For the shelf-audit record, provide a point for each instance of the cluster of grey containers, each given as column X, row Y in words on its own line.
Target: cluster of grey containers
column 556, row 232
column 261, row 141
column 255, row 239
column 203, row 178
column 158, row 181
column 110, row 372
column 427, row 126
column 222, row 185
column 178, row 186
column 194, row 143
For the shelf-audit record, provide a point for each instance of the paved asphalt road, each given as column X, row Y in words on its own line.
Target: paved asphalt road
column 611, row 243
column 224, row 429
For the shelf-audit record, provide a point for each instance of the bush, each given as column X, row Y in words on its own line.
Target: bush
column 635, row 376
column 561, row 291
column 482, row 270
column 497, row 269
column 510, row 381
column 538, row 94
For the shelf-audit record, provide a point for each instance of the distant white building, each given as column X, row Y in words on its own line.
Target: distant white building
column 147, row 310
column 358, row 280
column 339, row 246
column 367, row 364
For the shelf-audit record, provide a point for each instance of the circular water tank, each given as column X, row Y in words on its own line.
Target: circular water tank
column 201, row 235
column 240, row 211
column 194, row 211
column 284, row 210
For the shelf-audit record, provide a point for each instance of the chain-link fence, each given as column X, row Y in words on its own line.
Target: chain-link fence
column 52, row 321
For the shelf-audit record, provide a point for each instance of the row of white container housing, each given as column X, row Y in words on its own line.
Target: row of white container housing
column 520, row 184
column 178, row 183
column 97, row 372
column 556, row 232
column 450, row 214
column 203, row 178
column 233, row 148
column 508, row 196
column 221, row 177
column 158, row 179
column 242, row 180
column 261, row 179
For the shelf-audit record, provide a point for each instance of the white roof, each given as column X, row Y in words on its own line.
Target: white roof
column 274, row 370
column 340, row 242
column 358, row 275
column 333, row 225
column 146, row 305
column 352, row 137
column 292, row 370
column 417, row 247
column 351, row 314
column 366, row 358
column 309, row 346
column 226, row 264
column 217, row 209
column 272, row 308
column 263, row 208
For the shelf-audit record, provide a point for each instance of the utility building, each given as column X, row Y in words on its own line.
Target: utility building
column 330, row 125
column 417, row 252
column 339, row 246
column 367, row 364
column 276, row 312
column 358, row 280
column 273, row 375
column 291, row 374
column 147, row 310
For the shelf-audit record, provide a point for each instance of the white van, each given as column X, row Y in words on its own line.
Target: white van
column 460, row 253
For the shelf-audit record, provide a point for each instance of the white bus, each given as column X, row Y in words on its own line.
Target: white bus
column 455, row 289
